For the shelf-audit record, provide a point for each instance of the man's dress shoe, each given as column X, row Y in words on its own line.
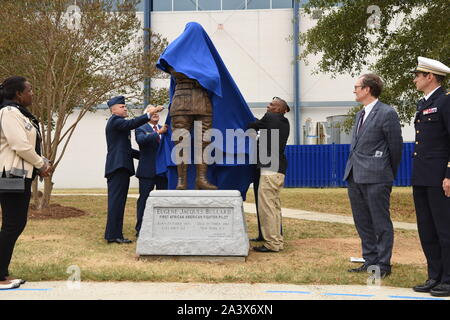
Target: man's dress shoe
column 262, row 249
column 427, row 286
column 363, row 268
column 441, row 290
column 120, row 241
column 257, row 239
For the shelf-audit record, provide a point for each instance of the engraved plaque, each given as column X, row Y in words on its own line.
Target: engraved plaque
column 192, row 223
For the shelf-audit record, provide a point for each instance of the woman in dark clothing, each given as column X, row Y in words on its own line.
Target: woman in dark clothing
column 20, row 156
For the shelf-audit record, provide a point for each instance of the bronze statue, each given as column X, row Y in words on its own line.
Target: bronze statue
column 191, row 103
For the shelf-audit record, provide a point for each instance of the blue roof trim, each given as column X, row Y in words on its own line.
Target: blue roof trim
column 314, row 104
column 256, row 105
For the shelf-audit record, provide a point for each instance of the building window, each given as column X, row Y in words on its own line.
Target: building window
column 217, row 5
column 140, row 6
column 209, row 5
column 277, row 4
column 258, row 4
column 162, row 5
column 184, row 5
column 233, row 4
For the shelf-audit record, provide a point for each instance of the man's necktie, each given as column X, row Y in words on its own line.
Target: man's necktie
column 155, row 128
column 361, row 121
column 420, row 104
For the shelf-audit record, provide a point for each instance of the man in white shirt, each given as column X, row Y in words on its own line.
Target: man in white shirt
column 372, row 165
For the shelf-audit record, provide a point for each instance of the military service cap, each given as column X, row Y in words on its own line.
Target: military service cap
column 432, row 66
column 116, row 100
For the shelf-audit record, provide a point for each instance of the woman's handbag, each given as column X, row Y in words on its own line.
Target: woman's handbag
column 13, row 183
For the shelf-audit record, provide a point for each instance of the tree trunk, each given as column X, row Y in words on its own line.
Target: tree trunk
column 48, row 188
column 36, row 203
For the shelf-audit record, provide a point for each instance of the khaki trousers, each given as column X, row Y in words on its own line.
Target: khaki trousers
column 269, row 207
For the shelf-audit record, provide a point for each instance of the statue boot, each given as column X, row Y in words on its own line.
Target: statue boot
column 182, row 176
column 201, row 181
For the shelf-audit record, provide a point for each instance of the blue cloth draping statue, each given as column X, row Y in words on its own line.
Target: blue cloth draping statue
column 202, row 89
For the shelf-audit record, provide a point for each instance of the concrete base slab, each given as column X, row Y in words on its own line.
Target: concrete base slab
column 194, row 223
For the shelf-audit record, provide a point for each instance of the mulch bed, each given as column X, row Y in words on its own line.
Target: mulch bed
column 56, row 211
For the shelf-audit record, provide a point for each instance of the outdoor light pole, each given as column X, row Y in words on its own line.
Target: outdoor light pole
column 296, row 108
column 148, row 4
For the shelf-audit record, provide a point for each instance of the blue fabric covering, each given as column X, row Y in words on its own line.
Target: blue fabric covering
column 194, row 55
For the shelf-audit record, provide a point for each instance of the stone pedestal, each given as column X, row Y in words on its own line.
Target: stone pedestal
column 194, row 223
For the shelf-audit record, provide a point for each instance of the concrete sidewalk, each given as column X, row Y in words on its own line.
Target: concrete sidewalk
column 323, row 217
column 62, row 290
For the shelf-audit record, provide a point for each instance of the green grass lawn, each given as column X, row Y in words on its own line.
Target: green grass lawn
column 315, row 253
column 335, row 200
column 327, row 200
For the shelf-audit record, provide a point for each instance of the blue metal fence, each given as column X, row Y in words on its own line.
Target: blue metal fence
column 320, row 166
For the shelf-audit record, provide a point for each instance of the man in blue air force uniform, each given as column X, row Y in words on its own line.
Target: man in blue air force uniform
column 431, row 174
column 119, row 164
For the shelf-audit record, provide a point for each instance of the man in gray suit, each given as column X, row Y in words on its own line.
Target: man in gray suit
column 375, row 155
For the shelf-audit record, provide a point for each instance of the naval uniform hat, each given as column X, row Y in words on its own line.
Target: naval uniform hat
column 116, row 100
column 431, row 66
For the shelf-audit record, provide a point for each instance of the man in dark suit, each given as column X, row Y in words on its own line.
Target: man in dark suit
column 375, row 155
column 148, row 138
column 119, row 164
column 274, row 132
column 431, row 174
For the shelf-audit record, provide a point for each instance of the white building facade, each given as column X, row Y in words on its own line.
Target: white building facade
column 255, row 43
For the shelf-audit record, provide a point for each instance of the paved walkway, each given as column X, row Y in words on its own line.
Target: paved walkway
column 62, row 290
column 323, row 217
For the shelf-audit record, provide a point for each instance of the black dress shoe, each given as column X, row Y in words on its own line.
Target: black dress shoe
column 120, row 241
column 262, row 249
column 257, row 239
column 441, row 290
column 427, row 286
column 363, row 268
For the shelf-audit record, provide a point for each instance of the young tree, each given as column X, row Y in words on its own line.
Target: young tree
column 385, row 36
column 76, row 57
